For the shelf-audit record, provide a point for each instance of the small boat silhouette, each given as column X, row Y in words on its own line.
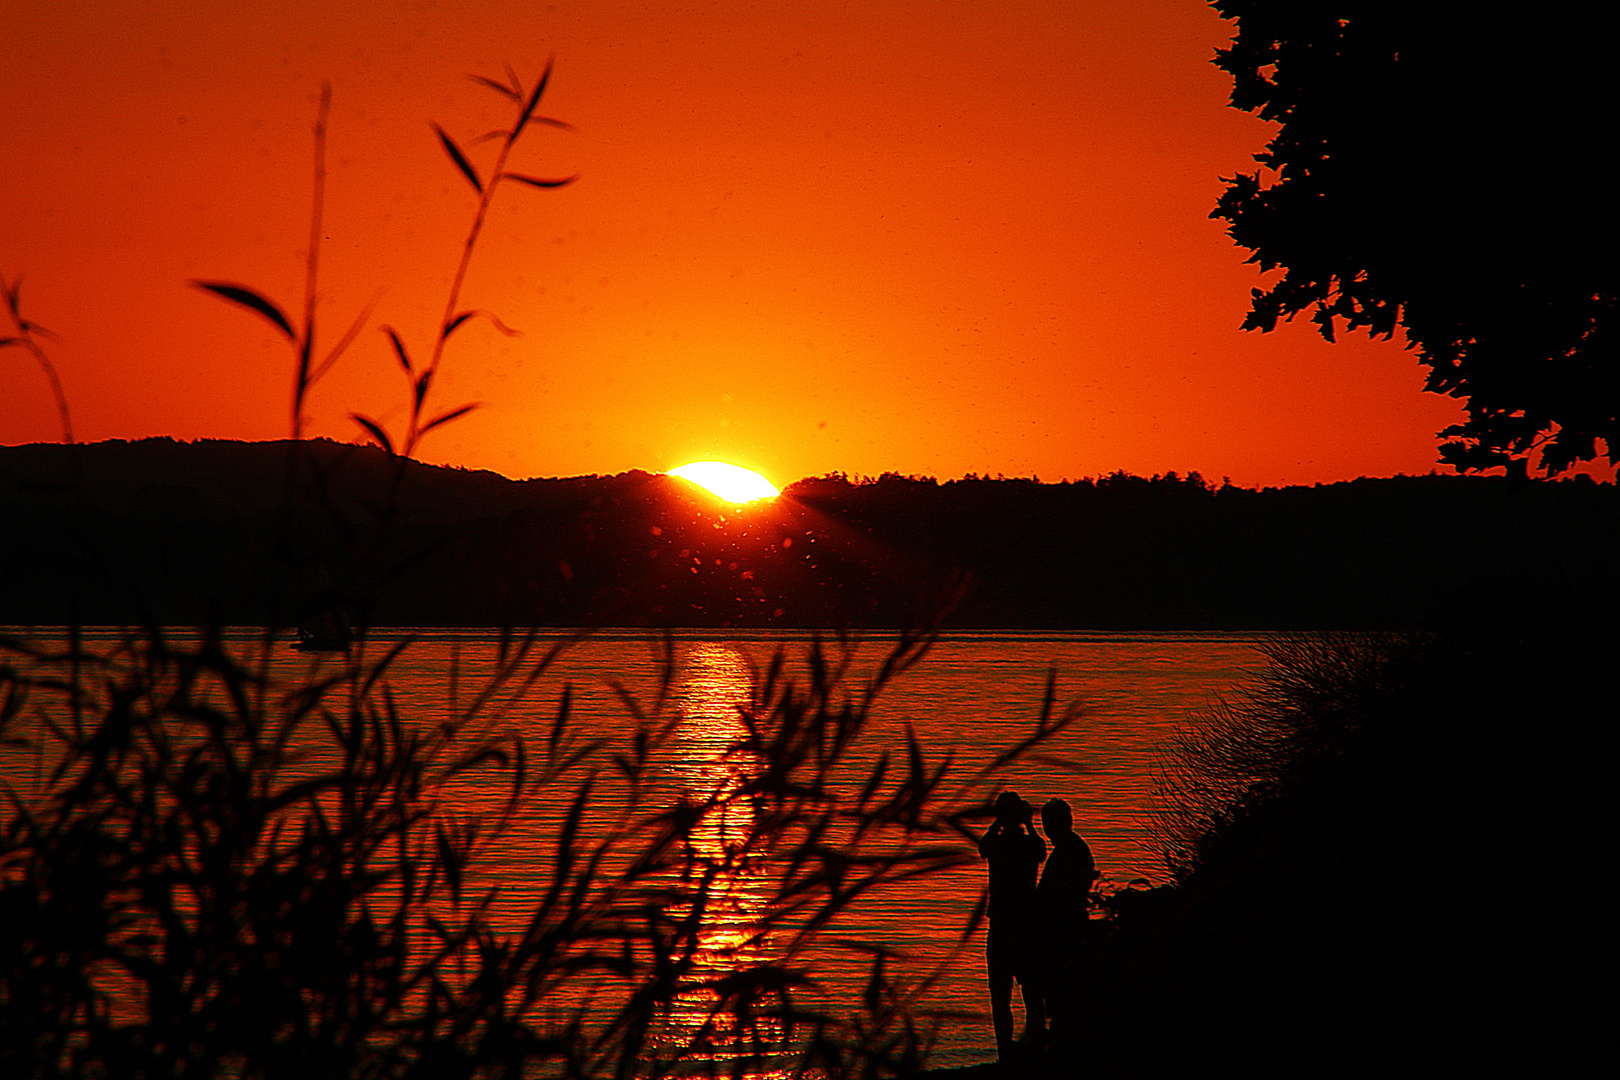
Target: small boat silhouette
column 332, row 634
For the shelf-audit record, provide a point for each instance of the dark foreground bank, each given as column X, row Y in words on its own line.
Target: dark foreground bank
column 1389, row 863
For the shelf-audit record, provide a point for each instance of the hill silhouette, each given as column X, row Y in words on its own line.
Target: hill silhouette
column 169, row 532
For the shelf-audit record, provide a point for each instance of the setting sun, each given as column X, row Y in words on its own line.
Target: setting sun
column 732, row 483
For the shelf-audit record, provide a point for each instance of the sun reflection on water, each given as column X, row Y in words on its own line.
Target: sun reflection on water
column 709, row 761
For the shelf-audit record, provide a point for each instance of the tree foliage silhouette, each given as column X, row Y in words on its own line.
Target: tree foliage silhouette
column 1447, row 171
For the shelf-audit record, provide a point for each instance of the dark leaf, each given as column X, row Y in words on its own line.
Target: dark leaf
column 879, row 772
column 465, row 315
column 499, row 88
column 566, row 851
column 535, row 181
column 534, row 100
column 460, row 159
column 502, row 327
column 30, row 327
column 375, row 431
column 628, row 700
column 399, row 349
column 238, row 294
column 451, row 859
column 560, row 724
column 445, row 418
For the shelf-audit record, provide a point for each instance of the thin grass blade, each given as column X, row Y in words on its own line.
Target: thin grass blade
column 343, row 343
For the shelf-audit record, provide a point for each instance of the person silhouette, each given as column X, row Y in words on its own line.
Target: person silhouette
column 1063, row 922
column 1015, row 851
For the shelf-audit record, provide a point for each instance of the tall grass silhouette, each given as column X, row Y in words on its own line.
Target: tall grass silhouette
column 211, row 868
column 25, row 335
column 310, row 366
column 219, row 874
column 1307, row 711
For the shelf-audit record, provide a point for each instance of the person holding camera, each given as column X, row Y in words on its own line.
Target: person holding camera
column 1014, row 851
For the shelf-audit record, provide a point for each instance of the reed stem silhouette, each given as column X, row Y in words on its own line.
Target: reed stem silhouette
column 25, row 335
column 216, row 868
column 224, row 870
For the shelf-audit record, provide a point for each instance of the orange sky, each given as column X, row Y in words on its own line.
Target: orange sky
column 929, row 238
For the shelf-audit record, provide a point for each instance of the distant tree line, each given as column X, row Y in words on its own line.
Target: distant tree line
column 168, row 532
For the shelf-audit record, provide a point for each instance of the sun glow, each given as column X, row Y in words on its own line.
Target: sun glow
column 733, row 483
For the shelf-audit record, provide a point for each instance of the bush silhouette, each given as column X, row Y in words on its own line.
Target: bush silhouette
column 1360, row 848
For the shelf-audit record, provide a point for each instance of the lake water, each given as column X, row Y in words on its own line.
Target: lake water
column 972, row 694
